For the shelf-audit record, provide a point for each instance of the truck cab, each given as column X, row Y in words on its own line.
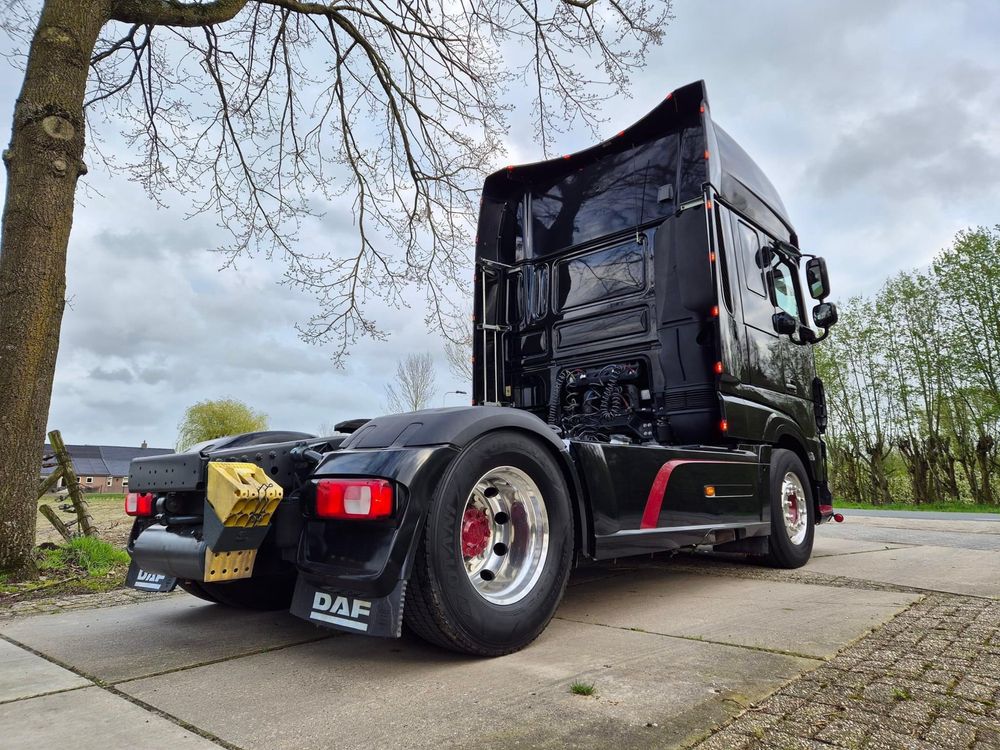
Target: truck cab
column 643, row 382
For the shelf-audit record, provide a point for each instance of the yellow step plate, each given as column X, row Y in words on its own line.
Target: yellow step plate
column 228, row 566
column 241, row 494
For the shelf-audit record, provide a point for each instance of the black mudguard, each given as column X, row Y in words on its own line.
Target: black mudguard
column 352, row 576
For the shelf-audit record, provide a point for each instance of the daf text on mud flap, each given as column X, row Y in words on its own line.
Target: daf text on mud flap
column 341, row 605
column 151, row 581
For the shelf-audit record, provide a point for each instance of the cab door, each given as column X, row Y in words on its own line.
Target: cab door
column 764, row 348
column 771, row 283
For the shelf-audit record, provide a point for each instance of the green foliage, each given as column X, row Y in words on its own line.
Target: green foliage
column 208, row 420
column 913, row 382
column 582, row 688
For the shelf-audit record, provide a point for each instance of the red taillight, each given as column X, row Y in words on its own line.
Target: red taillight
column 719, row 369
column 715, row 311
column 139, row 504
column 353, row 498
column 724, row 425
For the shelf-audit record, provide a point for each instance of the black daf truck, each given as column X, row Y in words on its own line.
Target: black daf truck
column 643, row 382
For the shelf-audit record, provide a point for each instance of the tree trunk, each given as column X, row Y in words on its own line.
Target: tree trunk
column 44, row 162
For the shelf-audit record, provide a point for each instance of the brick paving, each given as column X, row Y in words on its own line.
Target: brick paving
column 930, row 678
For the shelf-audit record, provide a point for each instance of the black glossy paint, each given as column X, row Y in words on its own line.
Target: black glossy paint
column 648, row 251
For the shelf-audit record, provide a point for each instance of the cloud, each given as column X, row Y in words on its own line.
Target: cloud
column 878, row 122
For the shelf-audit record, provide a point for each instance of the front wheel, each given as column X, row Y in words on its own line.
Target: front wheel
column 496, row 550
column 793, row 515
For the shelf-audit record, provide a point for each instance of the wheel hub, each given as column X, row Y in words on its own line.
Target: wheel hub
column 504, row 535
column 793, row 508
column 475, row 532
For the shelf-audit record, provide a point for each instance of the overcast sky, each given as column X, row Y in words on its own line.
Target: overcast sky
column 878, row 122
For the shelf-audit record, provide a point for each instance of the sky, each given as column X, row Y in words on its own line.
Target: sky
column 878, row 122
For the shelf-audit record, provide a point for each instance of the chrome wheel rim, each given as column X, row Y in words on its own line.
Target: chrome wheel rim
column 793, row 508
column 504, row 538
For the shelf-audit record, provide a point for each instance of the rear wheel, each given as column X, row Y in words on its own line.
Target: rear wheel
column 496, row 550
column 793, row 515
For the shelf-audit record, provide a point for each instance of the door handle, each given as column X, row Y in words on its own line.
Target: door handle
column 792, row 388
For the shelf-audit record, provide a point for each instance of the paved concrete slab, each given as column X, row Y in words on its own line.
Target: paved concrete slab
column 914, row 533
column 959, row 571
column 355, row 692
column 23, row 674
column 826, row 546
column 118, row 643
column 917, row 522
column 90, row 719
column 921, row 515
column 815, row 620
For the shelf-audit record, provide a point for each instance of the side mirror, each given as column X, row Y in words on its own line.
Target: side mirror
column 784, row 323
column 816, row 277
column 825, row 315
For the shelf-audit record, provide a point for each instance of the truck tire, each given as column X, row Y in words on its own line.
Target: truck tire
column 264, row 593
column 496, row 549
column 793, row 515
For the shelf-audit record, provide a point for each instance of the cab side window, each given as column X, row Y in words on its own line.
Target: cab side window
column 750, row 246
column 783, row 276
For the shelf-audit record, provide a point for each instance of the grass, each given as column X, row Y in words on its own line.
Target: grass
column 85, row 564
column 901, row 694
column 936, row 507
column 583, row 688
column 86, row 553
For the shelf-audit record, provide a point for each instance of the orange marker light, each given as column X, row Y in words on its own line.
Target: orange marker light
column 719, row 368
column 709, row 491
column 708, row 205
column 711, row 256
column 706, row 153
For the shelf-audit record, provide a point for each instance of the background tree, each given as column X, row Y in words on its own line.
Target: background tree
column 208, row 420
column 911, row 377
column 414, row 386
column 263, row 112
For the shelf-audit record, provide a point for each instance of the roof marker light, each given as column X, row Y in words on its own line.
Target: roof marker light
column 702, row 109
column 708, row 205
column 670, row 95
column 566, row 156
column 620, row 134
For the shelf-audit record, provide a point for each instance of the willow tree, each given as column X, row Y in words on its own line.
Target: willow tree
column 262, row 111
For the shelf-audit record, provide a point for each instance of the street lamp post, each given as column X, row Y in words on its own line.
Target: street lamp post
column 447, row 393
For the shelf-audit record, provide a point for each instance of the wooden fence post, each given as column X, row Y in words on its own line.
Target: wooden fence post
column 86, row 522
column 56, row 521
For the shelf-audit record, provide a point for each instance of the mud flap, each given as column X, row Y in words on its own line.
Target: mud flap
column 143, row 580
column 350, row 614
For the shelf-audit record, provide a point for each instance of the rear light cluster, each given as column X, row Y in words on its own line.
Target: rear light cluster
column 354, row 498
column 139, row 504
